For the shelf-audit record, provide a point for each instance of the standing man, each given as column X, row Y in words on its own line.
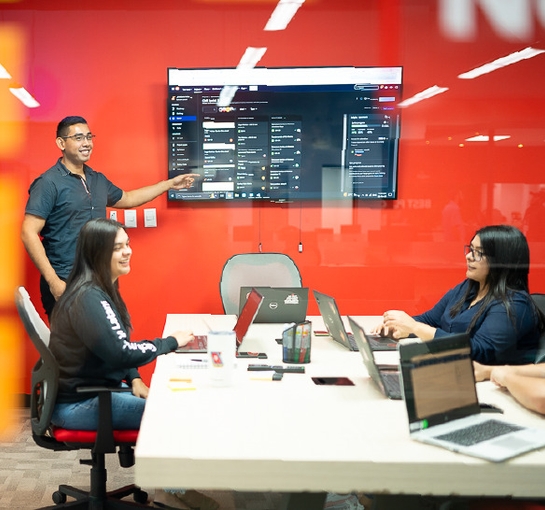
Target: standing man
column 65, row 197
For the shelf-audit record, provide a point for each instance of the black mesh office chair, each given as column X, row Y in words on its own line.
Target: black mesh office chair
column 539, row 300
column 255, row 270
column 45, row 377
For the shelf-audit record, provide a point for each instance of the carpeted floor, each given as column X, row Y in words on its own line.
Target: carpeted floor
column 30, row 474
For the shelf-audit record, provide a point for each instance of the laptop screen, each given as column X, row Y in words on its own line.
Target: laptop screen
column 247, row 315
column 438, row 381
column 366, row 352
column 332, row 317
column 280, row 304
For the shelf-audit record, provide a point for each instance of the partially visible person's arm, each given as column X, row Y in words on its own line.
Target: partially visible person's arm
column 526, row 384
column 30, row 235
column 141, row 196
column 482, row 372
column 104, row 334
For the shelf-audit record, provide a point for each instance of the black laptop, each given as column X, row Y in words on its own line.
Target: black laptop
column 280, row 304
column 335, row 327
column 386, row 378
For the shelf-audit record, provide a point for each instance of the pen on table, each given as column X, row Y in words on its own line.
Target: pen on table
column 195, row 359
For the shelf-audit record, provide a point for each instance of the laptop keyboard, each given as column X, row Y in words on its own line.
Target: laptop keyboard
column 352, row 342
column 391, row 382
column 479, row 433
column 376, row 345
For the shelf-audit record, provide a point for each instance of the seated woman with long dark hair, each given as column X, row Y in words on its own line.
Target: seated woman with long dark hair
column 90, row 333
column 492, row 304
column 90, row 338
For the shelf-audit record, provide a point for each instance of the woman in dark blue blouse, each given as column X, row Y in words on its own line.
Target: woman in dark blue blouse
column 493, row 304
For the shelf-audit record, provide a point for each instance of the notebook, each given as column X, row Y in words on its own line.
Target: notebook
column 245, row 319
column 280, row 304
column 385, row 378
column 438, row 386
column 335, row 326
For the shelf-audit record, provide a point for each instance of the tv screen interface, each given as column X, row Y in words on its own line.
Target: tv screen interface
column 284, row 134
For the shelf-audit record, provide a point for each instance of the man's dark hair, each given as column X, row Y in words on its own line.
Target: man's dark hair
column 64, row 125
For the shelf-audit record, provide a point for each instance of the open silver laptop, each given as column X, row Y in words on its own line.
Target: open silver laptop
column 335, row 326
column 386, row 378
column 438, row 386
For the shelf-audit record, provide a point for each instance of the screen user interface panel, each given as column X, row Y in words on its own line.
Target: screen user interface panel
column 284, row 133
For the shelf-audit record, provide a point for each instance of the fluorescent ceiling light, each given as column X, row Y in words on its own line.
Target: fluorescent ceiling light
column 283, row 13
column 425, row 94
column 226, row 95
column 3, row 73
column 251, row 57
column 486, row 138
column 513, row 58
column 24, row 96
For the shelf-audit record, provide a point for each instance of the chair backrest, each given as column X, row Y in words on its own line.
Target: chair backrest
column 258, row 270
column 539, row 301
column 41, row 327
column 45, row 374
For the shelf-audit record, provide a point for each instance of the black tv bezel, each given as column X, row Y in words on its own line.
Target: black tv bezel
column 303, row 196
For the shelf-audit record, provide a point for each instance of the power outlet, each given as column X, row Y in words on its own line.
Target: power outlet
column 150, row 218
column 113, row 215
column 130, row 218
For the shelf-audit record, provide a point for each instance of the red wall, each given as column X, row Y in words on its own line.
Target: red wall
column 108, row 64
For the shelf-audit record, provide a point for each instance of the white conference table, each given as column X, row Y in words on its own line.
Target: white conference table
column 294, row 436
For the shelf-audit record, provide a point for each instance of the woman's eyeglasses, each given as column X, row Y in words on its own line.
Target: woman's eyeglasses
column 476, row 254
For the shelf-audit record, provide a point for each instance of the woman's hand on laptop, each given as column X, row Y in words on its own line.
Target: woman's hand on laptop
column 183, row 337
column 380, row 330
column 399, row 324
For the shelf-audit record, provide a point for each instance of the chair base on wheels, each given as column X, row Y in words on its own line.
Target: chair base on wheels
column 97, row 498
column 112, row 499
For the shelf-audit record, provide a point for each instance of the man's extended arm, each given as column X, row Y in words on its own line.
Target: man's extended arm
column 141, row 196
column 30, row 235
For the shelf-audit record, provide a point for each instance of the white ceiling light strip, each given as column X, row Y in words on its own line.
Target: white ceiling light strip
column 513, row 58
column 283, row 13
column 24, row 96
column 425, row 94
column 4, row 73
column 251, row 57
column 18, row 91
column 486, row 138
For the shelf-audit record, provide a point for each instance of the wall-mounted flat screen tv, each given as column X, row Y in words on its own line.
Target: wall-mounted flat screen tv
column 284, row 134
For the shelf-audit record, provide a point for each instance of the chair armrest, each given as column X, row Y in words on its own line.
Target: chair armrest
column 99, row 389
column 105, row 432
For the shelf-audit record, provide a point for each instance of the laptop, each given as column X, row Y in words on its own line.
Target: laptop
column 335, row 327
column 280, row 304
column 386, row 378
column 245, row 319
column 438, row 386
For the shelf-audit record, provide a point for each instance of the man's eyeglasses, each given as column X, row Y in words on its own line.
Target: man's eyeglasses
column 80, row 136
column 476, row 254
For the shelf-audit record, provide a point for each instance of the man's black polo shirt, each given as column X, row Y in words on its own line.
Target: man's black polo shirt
column 66, row 202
